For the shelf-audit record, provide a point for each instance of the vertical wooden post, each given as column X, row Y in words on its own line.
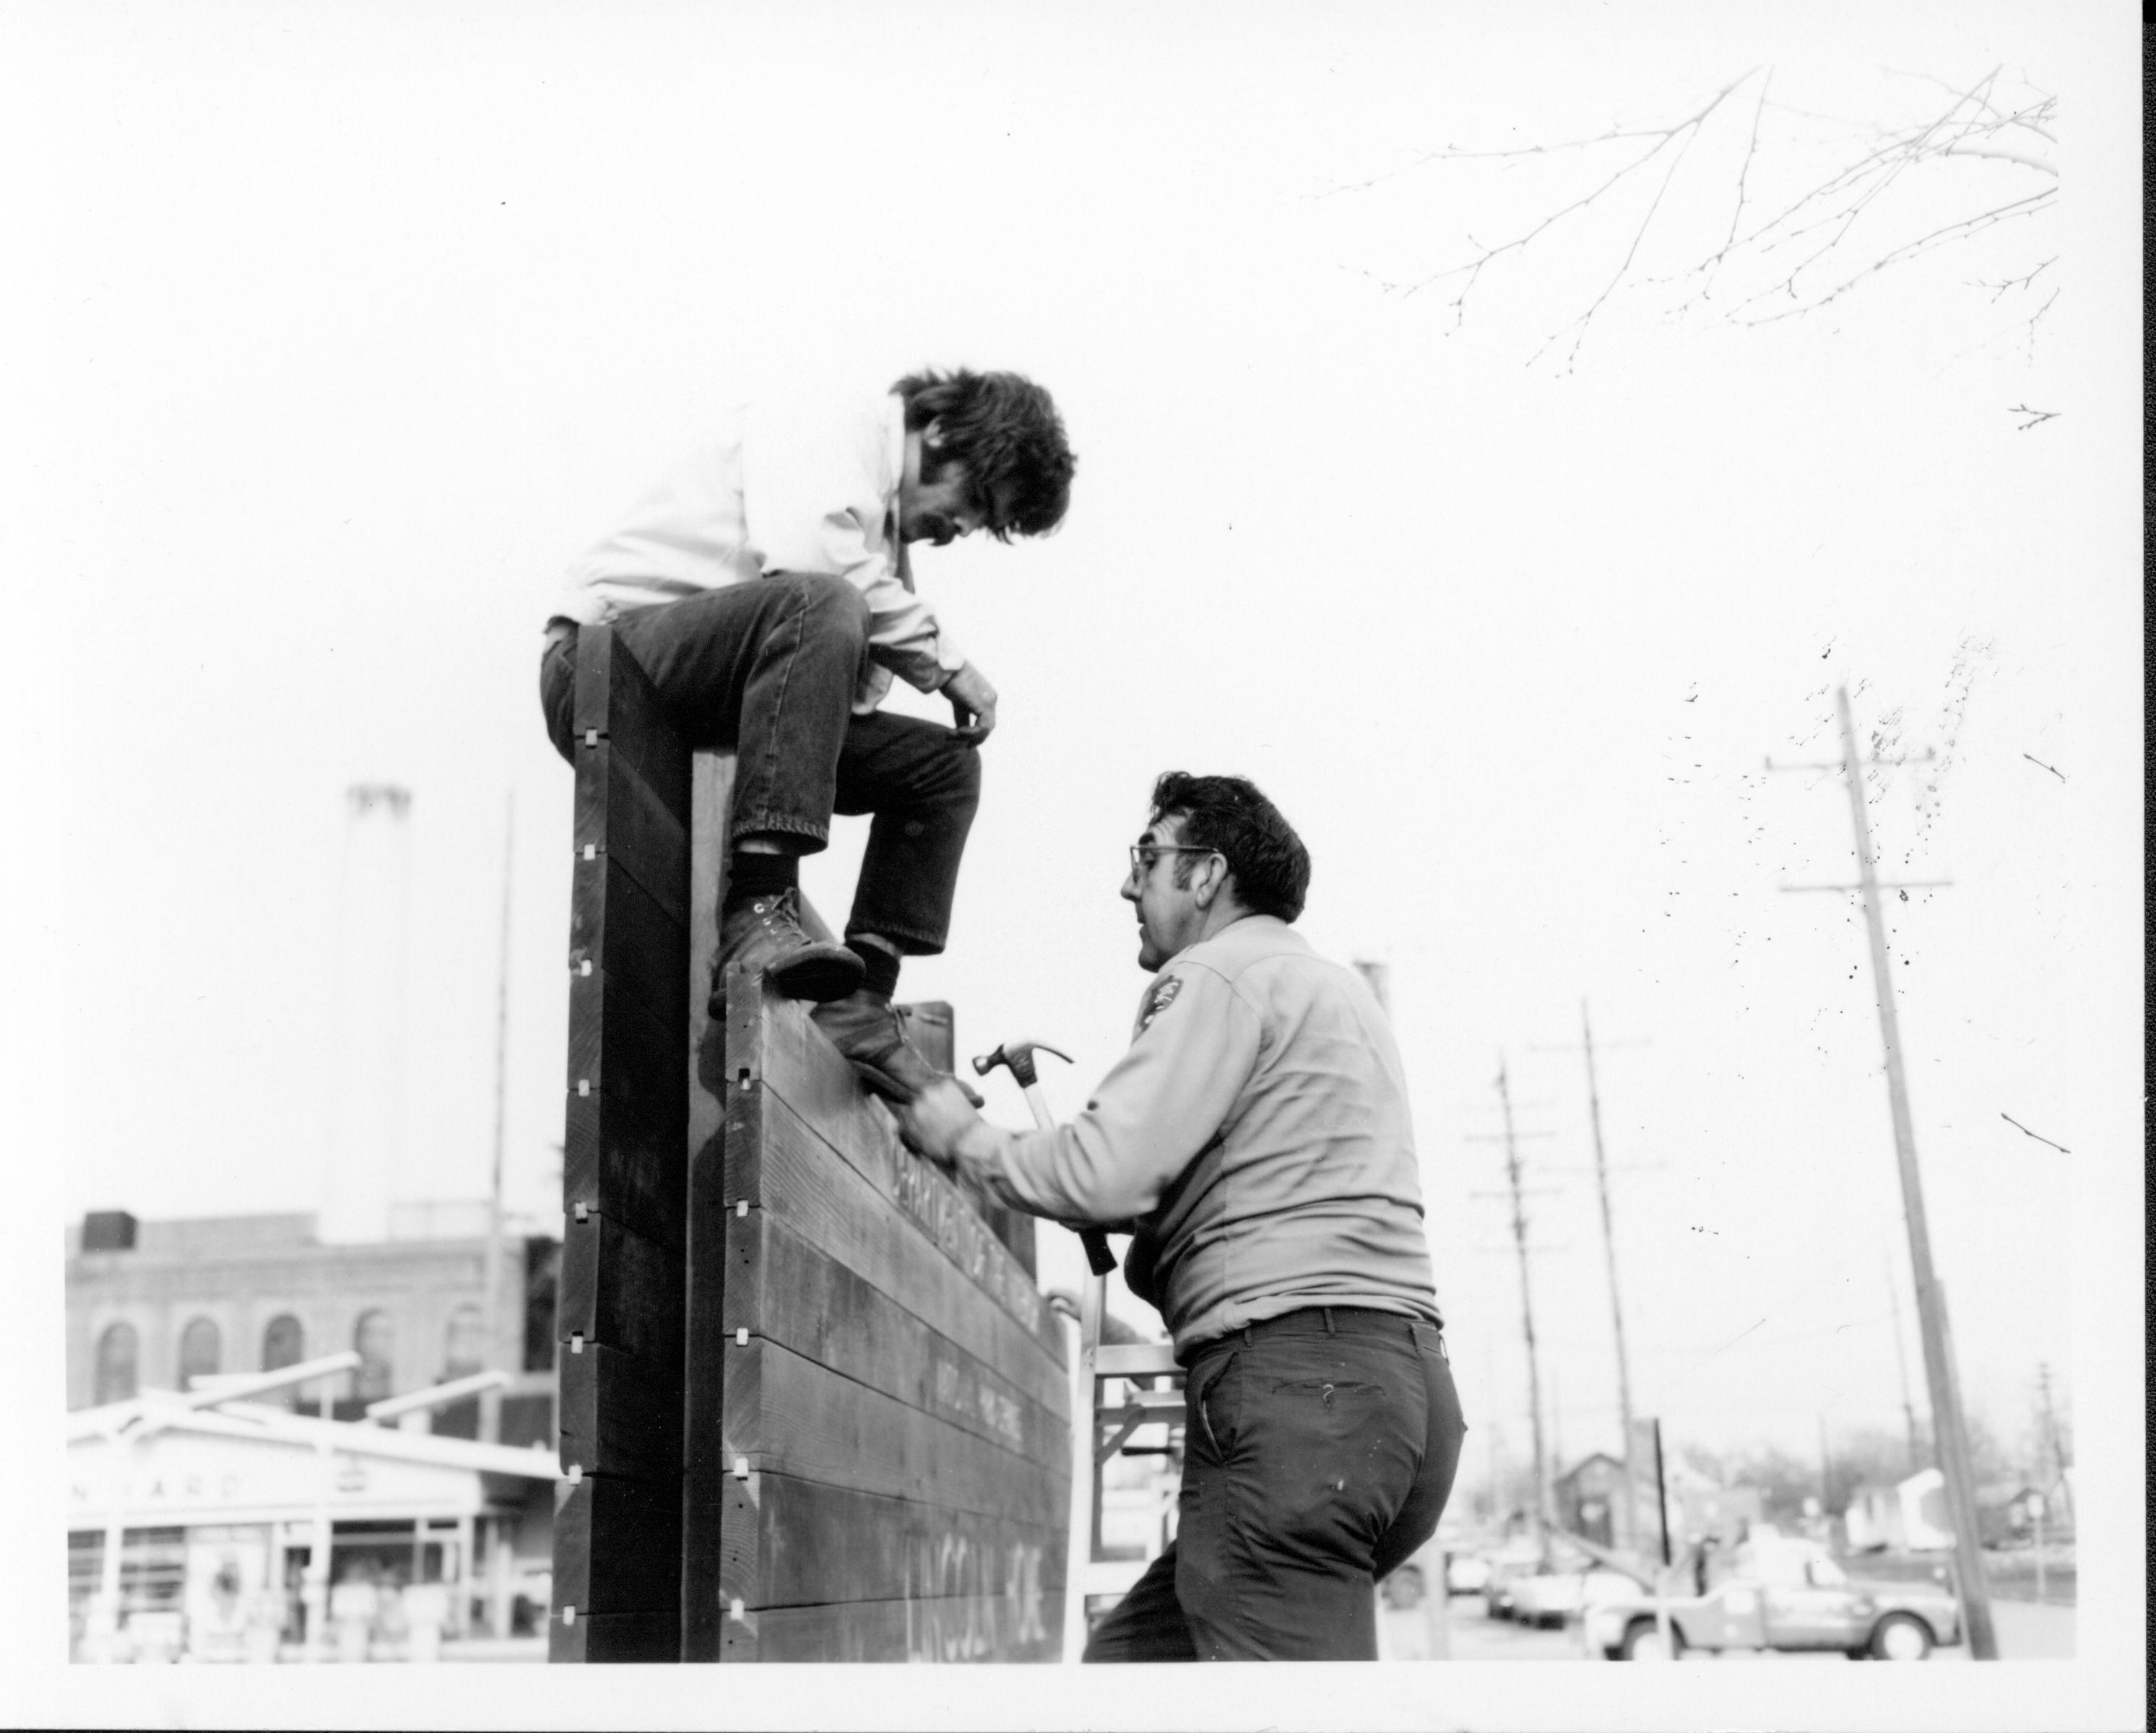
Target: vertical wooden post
column 619, row 1321
column 703, row 1466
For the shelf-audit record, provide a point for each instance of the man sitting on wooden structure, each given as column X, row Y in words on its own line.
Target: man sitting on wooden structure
column 766, row 589
column 1256, row 1141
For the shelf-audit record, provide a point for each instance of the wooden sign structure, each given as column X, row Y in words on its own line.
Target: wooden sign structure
column 813, row 1406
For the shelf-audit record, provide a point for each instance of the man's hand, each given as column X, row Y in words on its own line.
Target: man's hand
column 937, row 1120
column 973, row 705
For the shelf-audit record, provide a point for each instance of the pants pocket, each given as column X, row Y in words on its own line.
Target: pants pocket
column 1212, row 1415
column 1341, row 1469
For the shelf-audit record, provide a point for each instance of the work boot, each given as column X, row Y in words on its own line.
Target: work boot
column 865, row 1027
column 766, row 935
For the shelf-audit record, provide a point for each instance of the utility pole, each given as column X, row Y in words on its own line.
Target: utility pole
column 1950, row 1434
column 1526, row 1304
column 2050, row 1446
column 1609, row 1229
column 491, row 1399
column 1826, row 1472
column 1901, row 1363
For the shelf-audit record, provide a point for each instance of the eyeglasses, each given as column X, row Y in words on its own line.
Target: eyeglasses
column 1144, row 854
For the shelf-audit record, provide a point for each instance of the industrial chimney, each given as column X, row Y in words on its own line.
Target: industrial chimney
column 367, row 1043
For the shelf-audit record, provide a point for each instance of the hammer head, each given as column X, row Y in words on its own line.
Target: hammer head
column 1017, row 1055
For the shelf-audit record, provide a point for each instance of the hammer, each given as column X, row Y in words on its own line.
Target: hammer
column 1018, row 1056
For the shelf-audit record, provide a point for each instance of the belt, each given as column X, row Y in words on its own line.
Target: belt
column 1327, row 1320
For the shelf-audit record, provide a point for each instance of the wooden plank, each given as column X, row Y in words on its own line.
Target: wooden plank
column 607, row 1636
column 778, row 1167
column 780, row 1288
column 616, row 1547
column 770, row 1040
column 615, row 1163
column 794, row 1542
column 618, row 1290
column 617, row 1047
column 956, row 1628
column 706, row 1473
column 618, row 926
column 619, row 815
column 787, row 1415
column 615, row 700
column 620, row 1415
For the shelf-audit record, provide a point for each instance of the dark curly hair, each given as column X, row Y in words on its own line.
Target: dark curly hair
column 1228, row 815
column 1005, row 430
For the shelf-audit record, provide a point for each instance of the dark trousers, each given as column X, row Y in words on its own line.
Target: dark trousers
column 1314, row 1463
column 766, row 671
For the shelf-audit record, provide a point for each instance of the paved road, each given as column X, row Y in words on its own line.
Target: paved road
column 2027, row 1632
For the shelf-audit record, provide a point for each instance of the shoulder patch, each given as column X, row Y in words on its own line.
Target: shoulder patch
column 1162, row 996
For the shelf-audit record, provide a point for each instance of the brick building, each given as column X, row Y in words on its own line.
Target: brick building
column 152, row 1303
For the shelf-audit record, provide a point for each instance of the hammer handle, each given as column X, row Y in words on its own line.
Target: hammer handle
column 1099, row 1258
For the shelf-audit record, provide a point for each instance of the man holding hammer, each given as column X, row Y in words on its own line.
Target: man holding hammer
column 1255, row 1141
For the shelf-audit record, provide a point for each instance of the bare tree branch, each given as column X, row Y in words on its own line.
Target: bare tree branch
column 2020, row 208
column 1846, row 208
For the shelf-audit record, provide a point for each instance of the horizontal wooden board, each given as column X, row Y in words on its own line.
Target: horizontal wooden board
column 778, row 1167
column 864, row 1139
column 618, row 1290
column 620, row 1415
column 618, row 1047
column 617, row 815
column 622, row 929
column 615, row 698
column 787, row 1415
column 780, row 1288
column 602, row 1637
column 968, row 1627
column 617, row 1546
column 793, row 1542
column 615, row 1164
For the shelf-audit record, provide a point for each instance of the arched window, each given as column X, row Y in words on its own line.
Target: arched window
column 370, row 1337
column 200, row 1349
column 464, row 1352
column 284, row 1342
column 115, row 1363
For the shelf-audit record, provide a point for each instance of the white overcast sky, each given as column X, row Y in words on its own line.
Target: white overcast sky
column 338, row 331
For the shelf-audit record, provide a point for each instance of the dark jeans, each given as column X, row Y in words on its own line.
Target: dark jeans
column 1313, row 1463
column 767, row 670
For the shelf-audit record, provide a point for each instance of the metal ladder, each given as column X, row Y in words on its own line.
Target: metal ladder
column 1146, row 1386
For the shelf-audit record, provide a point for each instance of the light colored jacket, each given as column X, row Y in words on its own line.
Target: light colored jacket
column 1256, row 1134
column 808, row 482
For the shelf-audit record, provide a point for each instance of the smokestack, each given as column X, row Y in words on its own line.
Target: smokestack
column 366, row 1045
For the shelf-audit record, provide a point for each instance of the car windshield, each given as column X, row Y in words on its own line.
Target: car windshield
column 1825, row 1573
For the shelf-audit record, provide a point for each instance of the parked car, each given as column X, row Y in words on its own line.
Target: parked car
column 1465, row 1572
column 1511, row 1565
column 1565, row 1591
column 1782, row 1594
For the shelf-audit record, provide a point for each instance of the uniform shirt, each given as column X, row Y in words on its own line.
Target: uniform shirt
column 802, row 483
column 1256, row 1134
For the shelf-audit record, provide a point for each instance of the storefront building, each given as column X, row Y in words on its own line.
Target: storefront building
column 220, row 1515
